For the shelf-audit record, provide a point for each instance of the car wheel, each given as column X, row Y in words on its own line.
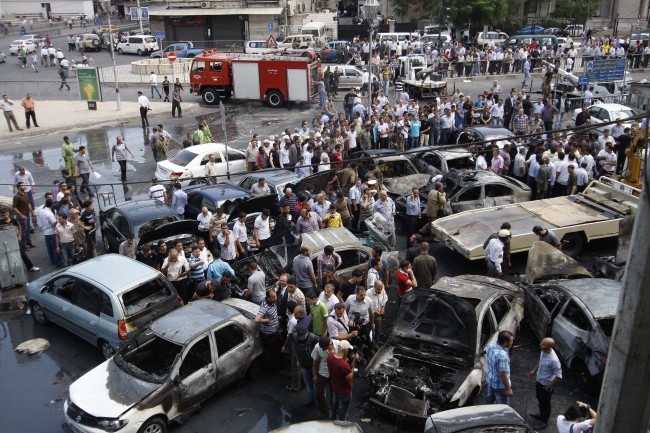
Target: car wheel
column 38, row 313
column 275, row 99
column 154, row 425
column 210, row 96
column 139, row 52
column 572, row 244
column 107, row 245
column 106, row 349
column 583, row 378
column 120, row 51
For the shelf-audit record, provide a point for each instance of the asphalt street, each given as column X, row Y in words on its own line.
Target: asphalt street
column 37, row 386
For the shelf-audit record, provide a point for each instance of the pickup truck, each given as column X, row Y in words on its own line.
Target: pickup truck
column 594, row 213
column 182, row 50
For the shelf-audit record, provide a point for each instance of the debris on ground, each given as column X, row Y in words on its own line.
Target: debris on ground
column 32, row 347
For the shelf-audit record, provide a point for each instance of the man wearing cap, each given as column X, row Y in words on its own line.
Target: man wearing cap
column 494, row 254
column 341, row 378
column 304, row 343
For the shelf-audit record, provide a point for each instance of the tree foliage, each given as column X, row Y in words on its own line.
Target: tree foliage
column 580, row 10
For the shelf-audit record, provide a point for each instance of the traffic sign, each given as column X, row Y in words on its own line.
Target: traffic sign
column 270, row 26
column 171, row 56
column 270, row 42
column 600, row 71
column 159, row 35
column 583, row 80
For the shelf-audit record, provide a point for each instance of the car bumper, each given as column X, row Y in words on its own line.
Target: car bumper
column 77, row 427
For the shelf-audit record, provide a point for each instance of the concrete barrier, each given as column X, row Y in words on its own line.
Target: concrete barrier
column 160, row 66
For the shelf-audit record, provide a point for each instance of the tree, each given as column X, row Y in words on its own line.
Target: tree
column 578, row 10
column 494, row 13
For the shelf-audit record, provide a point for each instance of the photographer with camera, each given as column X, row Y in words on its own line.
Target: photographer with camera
column 361, row 313
column 573, row 420
column 338, row 324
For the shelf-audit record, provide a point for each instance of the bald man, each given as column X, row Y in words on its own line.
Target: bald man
column 547, row 372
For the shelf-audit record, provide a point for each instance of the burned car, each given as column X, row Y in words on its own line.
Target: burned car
column 478, row 419
column 438, row 162
column 433, row 359
column 168, row 369
column 399, row 173
column 577, row 311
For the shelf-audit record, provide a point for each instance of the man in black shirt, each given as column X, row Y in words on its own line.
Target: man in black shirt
column 161, row 254
column 582, row 117
column 348, row 103
column 146, row 256
column 350, row 286
column 623, row 142
column 87, row 218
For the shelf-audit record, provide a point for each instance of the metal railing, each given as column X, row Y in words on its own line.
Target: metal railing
column 40, row 90
column 125, row 74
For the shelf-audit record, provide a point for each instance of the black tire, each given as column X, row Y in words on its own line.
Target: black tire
column 38, row 313
column 583, row 379
column 107, row 245
column 139, row 52
column 210, row 96
column 572, row 244
column 275, row 99
column 120, row 51
column 106, row 349
column 154, row 425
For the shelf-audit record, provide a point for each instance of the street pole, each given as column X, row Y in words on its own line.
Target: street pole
column 625, row 394
column 370, row 73
column 140, row 18
column 117, row 85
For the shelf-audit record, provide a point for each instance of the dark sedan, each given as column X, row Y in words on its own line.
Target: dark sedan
column 149, row 220
column 212, row 197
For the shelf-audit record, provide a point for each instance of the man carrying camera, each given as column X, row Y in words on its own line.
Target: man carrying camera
column 360, row 312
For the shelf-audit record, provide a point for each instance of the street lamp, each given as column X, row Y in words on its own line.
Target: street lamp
column 369, row 10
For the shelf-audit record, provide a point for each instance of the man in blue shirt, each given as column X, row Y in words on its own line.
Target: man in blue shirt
column 498, row 369
column 547, row 373
column 413, row 212
column 218, row 267
column 414, row 133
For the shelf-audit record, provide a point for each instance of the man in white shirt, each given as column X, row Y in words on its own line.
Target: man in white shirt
column 589, row 94
column 211, row 170
column 204, row 218
column 262, row 231
column 605, row 139
column 157, row 191
column 494, row 254
column 153, row 83
column 240, row 235
column 226, row 241
column 179, row 200
column 7, row 108
column 144, row 108
column 607, row 159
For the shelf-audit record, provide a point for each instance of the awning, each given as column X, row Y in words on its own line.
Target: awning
column 163, row 11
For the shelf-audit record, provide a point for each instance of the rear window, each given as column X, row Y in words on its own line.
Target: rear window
column 183, row 157
column 150, row 39
column 145, row 296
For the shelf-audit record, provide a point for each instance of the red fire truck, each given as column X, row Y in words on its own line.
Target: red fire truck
column 269, row 78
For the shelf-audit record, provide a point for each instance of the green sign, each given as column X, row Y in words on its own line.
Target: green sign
column 90, row 88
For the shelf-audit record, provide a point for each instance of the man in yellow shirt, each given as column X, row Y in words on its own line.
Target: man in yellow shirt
column 332, row 219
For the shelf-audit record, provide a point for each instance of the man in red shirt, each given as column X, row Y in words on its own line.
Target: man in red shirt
column 341, row 377
column 405, row 279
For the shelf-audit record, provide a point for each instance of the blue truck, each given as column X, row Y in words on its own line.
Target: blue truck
column 182, row 50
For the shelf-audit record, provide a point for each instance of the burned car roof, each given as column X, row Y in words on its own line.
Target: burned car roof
column 599, row 295
column 182, row 325
column 546, row 262
column 474, row 286
column 336, row 237
column 474, row 417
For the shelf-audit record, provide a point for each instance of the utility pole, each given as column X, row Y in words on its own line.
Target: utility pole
column 140, row 17
column 625, row 394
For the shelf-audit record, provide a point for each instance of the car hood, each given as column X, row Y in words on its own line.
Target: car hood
column 256, row 204
column 473, row 417
column 106, row 391
column 403, row 185
column 545, row 262
column 176, row 228
column 436, row 317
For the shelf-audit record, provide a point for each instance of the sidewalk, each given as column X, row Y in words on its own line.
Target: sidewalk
column 57, row 116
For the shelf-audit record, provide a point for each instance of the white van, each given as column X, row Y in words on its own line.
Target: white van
column 259, row 47
column 317, row 30
column 138, row 44
column 399, row 36
column 298, row 41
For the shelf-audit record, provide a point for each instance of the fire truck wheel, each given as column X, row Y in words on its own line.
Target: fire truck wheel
column 275, row 99
column 210, row 96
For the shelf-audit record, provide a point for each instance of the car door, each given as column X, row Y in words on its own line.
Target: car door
column 542, row 305
column 354, row 77
column 56, row 300
column 233, row 350
column 195, row 377
column 571, row 330
column 236, row 162
column 469, row 198
column 594, row 113
column 352, row 259
column 85, row 309
column 497, row 194
column 194, row 203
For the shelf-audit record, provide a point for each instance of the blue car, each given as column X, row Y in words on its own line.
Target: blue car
column 333, row 52
column 530, row 30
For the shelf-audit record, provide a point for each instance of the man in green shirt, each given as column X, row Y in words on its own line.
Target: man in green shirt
column 319, row 314
column 67, row 152
column 543, row 178
column 198, row 137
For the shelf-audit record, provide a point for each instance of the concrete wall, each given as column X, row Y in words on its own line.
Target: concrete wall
column 258, row 26
column 33, row 7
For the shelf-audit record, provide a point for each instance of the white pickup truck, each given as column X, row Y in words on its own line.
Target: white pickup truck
column 575, row 220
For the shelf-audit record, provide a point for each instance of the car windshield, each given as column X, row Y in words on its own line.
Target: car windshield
column 622, row 114
column 396, row 168
column 148, row 357
column 153, row 224
column 183, row 158
column 144, row 296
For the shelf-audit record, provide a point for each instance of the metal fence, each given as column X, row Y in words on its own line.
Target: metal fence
column 40, row 90
column 125, row 74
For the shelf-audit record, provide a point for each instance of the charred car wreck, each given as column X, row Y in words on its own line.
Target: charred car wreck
column 434, row 359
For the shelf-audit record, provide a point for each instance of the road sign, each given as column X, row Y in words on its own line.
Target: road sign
column 270, row 26
column 583, row 80
column 600, row 71
column 159, row 35
column 270, row 42
column 222, row 109
column 134, row 14
column 171, row 56
column 144, row 13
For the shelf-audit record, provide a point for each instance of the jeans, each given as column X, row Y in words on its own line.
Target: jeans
column 340, row 406
column 50, row 245
column 321, row 392
column 414, row 142
column 67, row 250
column 496, row 121
column 176, row 105
column 84, row 183
column 444, row 136
column 434, row 137
column 322, row 96
column 25, row 228
column 308, row 378
column 544, row 400
column 498, row 396
column 122, row 163
column 154, row 88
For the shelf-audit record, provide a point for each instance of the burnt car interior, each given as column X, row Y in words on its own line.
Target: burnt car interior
column 148, row 357
column 144, row 296
column 396, row 168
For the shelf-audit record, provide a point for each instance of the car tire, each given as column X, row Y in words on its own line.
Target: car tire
column 38, row 313
column 106, row 349
column 275, row 99
column 583, row 378
column 210, row 96
column 107, row 245
column 139, row 52
column 154, row 425
column 120, row 51
column 95, row 42
column 572, row 244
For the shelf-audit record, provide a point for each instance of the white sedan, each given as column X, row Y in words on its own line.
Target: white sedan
column 600, row 113
column 188, row 165
column 15, row 46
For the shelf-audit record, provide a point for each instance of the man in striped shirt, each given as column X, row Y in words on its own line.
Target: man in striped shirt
column 157, row 191
column 399, row 87
column 196, row 265
column 267, row 317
